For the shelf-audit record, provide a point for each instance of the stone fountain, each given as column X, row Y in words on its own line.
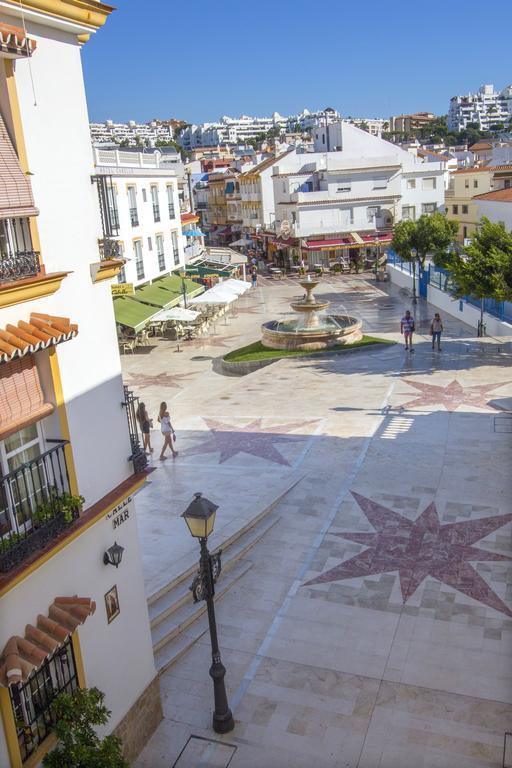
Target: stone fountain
column 311, row 330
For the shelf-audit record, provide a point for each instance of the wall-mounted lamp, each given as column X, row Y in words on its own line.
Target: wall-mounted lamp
column 113, row 555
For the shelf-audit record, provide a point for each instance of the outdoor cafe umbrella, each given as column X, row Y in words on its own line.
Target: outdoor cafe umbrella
column 180, row 314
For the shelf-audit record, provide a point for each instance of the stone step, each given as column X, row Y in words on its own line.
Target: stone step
column 232, row 534
column 172, row 600
column 175, row 635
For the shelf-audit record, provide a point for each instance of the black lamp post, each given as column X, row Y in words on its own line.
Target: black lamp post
column 184, row 288
column 200, row 518
column 414, row 297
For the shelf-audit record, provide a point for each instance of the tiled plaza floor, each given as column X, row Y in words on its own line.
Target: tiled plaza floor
column 374, row 629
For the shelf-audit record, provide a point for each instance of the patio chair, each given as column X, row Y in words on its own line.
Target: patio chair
column 127, row 345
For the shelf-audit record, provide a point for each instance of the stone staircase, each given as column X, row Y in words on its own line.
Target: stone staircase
column 173, row 614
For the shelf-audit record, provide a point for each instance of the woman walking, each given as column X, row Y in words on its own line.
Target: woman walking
column 145, row 425
column 167, row 431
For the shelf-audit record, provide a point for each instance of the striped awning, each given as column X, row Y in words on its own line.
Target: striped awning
column 41, row 332
column 16, row 198
column 23, row 655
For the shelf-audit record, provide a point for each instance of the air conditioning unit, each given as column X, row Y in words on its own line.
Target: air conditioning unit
column 467, row 241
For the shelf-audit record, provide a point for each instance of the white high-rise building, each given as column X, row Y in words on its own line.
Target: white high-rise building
column 485, row 108
column 131, row 133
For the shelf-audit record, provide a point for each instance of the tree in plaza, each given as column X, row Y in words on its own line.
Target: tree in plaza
column 484, row 271
column 76, row 714
column 430, row 234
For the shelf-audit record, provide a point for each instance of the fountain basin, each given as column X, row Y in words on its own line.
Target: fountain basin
column 331, row 331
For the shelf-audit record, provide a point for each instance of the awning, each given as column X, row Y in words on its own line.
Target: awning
column 189, row 218
column 41, row 332
column 179, row 314
column 23, row 655
column 157, row 295
column 356, row 238
column 132, row 313
column 193, row 233
column 21, row 396
column 340, row 243
column 174, row 283
column 16, row 198
column 282, row 242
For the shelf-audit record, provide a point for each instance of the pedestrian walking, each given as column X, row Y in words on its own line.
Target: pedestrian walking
column 145, row 424
column 254, row 277
column 436, row 329
column 167, row 431
column 407, row 328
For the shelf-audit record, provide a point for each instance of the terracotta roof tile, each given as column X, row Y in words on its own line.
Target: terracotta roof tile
column 480, row 145
column 41, row 332
column 482, row 168
column 13, row 40
column 22, row 655
column 501, row 195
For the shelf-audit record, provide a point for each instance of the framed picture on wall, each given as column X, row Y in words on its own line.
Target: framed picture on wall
column 112, row 604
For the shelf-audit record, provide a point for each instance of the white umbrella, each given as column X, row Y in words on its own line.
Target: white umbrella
column 180, row 314
column 208, row 298
column 241, row 286
column 232, row 287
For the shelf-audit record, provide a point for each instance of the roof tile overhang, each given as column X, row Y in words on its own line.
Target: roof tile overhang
column 41, row 332
column 23, row 655
column 15, row 43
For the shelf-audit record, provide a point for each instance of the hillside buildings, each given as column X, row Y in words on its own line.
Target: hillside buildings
column 131, row 133
column 471, row 192
column 483, row 109
column 230, row 130
column 70, row 459
column 408, row 124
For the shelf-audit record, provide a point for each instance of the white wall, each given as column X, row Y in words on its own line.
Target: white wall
column 68, row 227
column 147, row 226
column 445, row 303
column 118, row 657
column 496, row 211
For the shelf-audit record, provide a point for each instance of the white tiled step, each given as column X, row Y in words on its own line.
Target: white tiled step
column 175, row 635
column 180, row 594
column 231, row 534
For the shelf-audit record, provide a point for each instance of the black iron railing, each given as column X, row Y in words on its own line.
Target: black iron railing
column 17, row 266
column 134, row 217
column 109, row 249
column 137, row 456
column 161, row 261
column 172, row 212
column 156, row 212
column 35, row 505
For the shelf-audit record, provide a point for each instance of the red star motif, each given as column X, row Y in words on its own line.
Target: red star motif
column 170, row 380
column 211, row 341
column 253, row 439
column 420, row 548
column 452, row 395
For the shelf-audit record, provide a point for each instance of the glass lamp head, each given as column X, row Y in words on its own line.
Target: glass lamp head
column 200, row 516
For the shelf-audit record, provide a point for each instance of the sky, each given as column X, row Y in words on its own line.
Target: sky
column 199, row 60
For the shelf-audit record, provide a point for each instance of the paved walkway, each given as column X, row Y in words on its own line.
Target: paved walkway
column 374, row 628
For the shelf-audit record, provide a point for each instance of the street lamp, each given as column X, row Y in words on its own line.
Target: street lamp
column 414, row 297
column 200, row 518
column 184, row 288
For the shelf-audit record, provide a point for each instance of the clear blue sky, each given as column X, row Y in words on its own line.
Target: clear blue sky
column 199, row 59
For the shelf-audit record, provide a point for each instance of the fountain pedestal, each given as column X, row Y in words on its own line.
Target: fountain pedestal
column 312, row 331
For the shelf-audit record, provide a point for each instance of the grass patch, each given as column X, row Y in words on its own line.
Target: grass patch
column 256, row 350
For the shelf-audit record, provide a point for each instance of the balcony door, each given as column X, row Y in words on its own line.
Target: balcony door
column 23, row 488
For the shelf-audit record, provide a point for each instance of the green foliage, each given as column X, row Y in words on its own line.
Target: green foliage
column 484, row 271
column 76, row 716
column 430, row 234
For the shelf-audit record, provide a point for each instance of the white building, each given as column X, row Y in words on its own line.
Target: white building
column 131, row 132
column 352, row 195
column 485, row 108
column 373, row 125
column 496, row 205
column 232, row 130
column 63, row 432
column 141, row 210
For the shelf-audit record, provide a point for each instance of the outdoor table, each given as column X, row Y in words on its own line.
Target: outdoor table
column 276, row 272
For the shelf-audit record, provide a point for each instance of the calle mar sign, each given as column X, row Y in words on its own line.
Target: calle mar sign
column 119, row 514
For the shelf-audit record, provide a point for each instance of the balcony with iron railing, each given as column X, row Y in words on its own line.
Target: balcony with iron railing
column 18, row 259
column 36, row 505
column 134, row 217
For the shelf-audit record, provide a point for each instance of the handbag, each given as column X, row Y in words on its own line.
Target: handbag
column 174, row 437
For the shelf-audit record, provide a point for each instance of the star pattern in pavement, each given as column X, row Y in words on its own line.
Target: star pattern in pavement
column 169, row 380
column 451, row 395
column 420, row 548
column 254, row 439
column 211, row 341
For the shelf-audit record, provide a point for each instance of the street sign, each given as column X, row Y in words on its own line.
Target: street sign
column 122, row 289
